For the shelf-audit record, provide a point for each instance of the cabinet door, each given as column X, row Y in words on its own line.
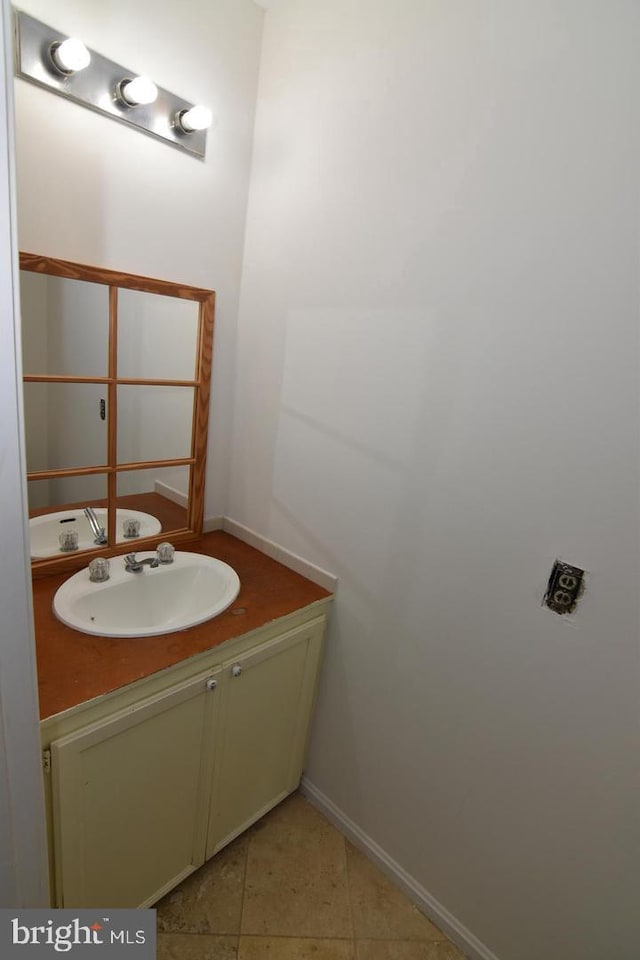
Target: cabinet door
column 265, row 705
column 130, row 799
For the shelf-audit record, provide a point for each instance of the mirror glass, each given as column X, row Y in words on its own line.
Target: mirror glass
column 157, row 336
column 62, row 492
column 57, row 506
column 65, row 326
column 117, row 371
column 162, row 492
column 154, row 422
column 64, row 426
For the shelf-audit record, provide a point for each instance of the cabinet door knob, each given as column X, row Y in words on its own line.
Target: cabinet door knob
column 211, row 683
column 236, row 670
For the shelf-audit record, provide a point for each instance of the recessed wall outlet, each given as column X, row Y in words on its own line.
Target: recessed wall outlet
column 564, row 588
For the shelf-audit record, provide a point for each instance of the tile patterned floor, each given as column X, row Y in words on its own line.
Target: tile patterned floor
column 292, row 888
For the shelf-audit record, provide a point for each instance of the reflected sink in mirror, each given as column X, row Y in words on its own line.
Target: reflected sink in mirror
column 156, row 600
column 45, row 530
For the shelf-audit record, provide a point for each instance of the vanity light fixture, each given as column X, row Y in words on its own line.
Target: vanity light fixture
column 197, row 118
column 70, row 55
column 137, row 92
column 63, row 65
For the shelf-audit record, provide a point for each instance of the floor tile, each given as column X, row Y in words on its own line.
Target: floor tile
column 294, row 813
column 189, row 946
column 306, row 893
column 406, row 950
column 210, row 900
column 380, row 910
column 290, row 948
column 296, row 882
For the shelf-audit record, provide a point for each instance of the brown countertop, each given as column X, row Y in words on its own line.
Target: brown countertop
column 75, row 667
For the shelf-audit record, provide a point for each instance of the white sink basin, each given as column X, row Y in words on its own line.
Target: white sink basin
column 157, row 600
column 45, row 530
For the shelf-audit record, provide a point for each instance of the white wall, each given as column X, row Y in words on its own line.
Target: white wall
column 437, row 395
column 23, row 870
column 98, row 192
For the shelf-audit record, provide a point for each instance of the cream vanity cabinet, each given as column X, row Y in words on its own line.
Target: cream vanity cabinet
column 145, row 784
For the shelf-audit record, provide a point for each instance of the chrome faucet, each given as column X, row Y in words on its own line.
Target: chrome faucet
column 133, row 565
column 94, row 523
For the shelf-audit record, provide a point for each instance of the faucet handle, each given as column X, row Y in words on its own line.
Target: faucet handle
column 99, row 570
column 165, row 552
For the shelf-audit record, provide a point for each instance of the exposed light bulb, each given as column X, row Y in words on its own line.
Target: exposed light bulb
column 197, row 118
column 137, row 92
column 70, row 55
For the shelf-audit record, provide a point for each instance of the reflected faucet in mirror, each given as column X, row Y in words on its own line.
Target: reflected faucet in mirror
column 97, row 531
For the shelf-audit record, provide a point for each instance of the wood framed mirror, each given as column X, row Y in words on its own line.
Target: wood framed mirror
column 117, row 371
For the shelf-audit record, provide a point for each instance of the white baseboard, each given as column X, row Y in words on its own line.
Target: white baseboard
column 456, row 931
column 288, row 559
column 212, row 523
column 170, row 493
